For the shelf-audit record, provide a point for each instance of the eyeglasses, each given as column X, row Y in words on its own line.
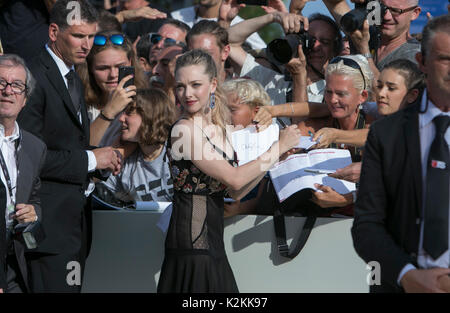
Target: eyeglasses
column 156, row 38
column 100, row 40
column 350, row 63
column 397, row 12
column 17, row 88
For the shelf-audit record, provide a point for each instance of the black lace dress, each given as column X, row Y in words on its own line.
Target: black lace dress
column 195, row 259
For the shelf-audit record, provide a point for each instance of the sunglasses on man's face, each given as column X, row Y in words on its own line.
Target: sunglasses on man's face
column 350, row 63
column 156, row 38
column 100, row 40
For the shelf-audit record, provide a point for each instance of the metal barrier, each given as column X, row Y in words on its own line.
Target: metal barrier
column 128, row 250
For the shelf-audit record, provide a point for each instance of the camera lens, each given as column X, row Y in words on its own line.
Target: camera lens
column 353, row 20
column 280, row 50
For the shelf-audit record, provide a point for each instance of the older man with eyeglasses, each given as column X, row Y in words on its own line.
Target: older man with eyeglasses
column 396, row 42
column 21, row 158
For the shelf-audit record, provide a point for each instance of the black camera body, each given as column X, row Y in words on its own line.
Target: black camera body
column 355, row 18
column 280, row 51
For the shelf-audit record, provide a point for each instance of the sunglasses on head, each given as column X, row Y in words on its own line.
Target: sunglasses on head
column 350, row 63
column 156, row 38
column 100, row 40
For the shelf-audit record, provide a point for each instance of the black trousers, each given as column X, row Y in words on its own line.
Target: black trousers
column 61, row 273
column 14, row 279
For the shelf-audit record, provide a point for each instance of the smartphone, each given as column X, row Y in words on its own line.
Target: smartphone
column 254, row 2
column 125, row 71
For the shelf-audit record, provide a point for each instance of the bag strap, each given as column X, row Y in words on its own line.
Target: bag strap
column 280, row 233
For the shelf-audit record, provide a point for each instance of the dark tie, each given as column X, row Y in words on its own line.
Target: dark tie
column 73, row 90
column 435, row 240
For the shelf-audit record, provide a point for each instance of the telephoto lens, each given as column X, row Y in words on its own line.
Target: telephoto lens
column 354, row 19
column 281, row 51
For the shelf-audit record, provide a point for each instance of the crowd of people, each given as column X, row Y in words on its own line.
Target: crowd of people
column 132, row 103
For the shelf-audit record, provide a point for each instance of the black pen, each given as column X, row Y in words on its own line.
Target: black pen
column 279, row 120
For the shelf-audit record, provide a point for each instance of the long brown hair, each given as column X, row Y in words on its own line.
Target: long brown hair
column 93, row 93
column 157, row 113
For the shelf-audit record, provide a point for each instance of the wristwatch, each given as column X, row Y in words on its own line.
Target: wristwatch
column 368, row 55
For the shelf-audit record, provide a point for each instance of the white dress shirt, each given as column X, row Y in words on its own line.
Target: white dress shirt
column 8, row 149
column 64, row 70
column 427, row 131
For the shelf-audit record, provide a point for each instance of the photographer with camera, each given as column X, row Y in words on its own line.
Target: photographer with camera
column 21, row 159
column 394, row 41
column 320, row 41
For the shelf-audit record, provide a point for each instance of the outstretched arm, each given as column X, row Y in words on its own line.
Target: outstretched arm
column 291, row 23
column 189, row 143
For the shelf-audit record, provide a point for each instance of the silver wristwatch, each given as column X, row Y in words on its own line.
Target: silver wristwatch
column 368, row 55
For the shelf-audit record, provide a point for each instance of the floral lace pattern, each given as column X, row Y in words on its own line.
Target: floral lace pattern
column 192, row 180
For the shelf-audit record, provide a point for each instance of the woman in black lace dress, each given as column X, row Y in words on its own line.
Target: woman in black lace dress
column 202, row 167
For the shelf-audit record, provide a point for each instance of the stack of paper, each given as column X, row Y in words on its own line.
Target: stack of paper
column 289, row 176
column 249, row 144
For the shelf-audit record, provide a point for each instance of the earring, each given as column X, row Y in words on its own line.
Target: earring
column 212, row 101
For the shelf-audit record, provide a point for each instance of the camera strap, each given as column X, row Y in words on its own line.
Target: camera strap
column 5, row 168
column 6, row 174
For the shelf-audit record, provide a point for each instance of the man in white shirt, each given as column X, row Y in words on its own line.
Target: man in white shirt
column 21, row 159
column 402, row 210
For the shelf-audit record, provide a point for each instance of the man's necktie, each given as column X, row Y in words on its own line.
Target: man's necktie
column 73, row 90
column 435, row 240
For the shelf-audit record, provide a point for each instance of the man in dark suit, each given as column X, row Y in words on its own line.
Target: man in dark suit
column 56, row 113
column 402, row 211
column 21, row 159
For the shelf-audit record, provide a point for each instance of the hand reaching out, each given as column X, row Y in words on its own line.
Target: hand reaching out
column 349, row 173
column 275, row 5
column 324, row 137
column 327, row 197
column 264, row 116
column 229, row 10
column 291, row 23
column 141, row 13
column 296, row 6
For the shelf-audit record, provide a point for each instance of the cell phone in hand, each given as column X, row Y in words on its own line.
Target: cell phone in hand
column 125, row 71
column 254, row 2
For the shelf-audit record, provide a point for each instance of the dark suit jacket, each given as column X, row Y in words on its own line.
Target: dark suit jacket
column 50, row 115
column 30, row 159
column 3, row 249
column 386, row 227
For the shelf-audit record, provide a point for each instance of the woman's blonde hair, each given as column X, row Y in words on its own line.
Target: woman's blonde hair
column 92, row 90
column 249, row 92
column 220, row 114
column 339, row 68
